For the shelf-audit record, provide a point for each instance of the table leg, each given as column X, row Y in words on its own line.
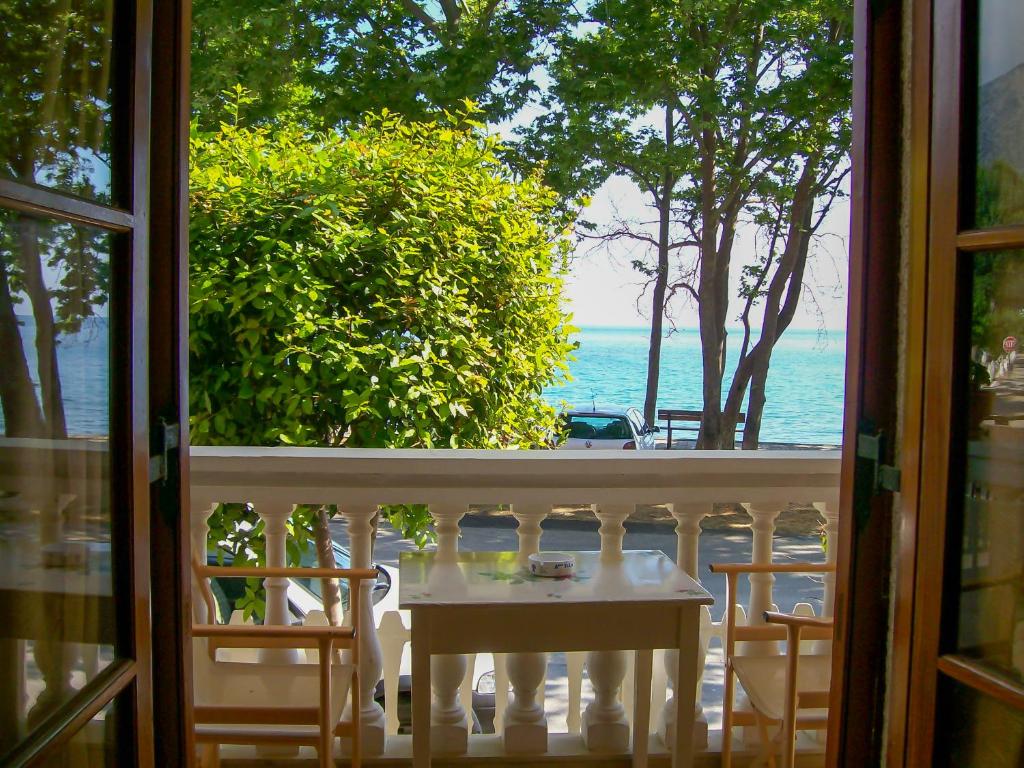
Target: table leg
column 642, row 669
column 420, row 691
column 686, row 685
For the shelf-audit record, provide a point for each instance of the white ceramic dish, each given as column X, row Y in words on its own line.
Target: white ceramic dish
column 553, row 565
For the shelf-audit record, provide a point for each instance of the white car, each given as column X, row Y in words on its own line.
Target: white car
column 609, row 428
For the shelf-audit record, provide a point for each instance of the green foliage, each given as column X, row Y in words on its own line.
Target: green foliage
column 329, row 63
column 997, row 301
column 392, row 286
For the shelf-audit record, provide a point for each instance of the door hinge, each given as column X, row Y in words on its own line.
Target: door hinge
column 871, row 447
column 167, row 438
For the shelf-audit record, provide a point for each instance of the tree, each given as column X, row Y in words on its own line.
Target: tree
column 391, row 286
column 706, row 108
column 55, row 94
column 332, row 62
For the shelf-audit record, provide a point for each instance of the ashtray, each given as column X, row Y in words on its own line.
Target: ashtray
column 553, row 565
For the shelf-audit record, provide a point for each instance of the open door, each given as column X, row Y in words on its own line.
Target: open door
column 75, row 634
column 960, row 609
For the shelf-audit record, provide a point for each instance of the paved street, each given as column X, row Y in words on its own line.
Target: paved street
column 497, row 533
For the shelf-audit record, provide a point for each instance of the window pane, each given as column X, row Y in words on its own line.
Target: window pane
column 1000, row 152
column 991, row 616
column 97, row 745
column 56, row 92
column 57, row 619
column 976, row 730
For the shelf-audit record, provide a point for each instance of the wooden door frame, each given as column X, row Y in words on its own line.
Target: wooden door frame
column 127, row 218
column 173, row 743
column 872, row 353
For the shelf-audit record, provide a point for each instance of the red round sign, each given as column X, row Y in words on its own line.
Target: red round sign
column 1009, row 343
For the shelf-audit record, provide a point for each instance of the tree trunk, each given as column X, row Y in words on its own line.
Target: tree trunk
column 46, row 333
column 22, row 416
column 660, row 280
column 329, row 588
column 755, row 404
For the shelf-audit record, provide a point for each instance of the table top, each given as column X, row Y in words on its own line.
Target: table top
column 488, row 578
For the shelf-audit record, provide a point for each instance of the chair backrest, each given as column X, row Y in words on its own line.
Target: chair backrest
column 808, row 628
column 262, row 694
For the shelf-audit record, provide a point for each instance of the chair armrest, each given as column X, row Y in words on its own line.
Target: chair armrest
column 728, row 568
column 282, row 631
column 791, row 620
column 352, row 574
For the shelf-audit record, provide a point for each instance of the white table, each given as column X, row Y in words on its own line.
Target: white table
column 483, row 602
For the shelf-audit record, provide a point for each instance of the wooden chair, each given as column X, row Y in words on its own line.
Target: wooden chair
column 787, row 690
column 264, row 703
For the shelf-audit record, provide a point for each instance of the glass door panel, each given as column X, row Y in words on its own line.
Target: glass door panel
column 999, row 114
column 57, row 549
column 990, row 615
column 57, row 65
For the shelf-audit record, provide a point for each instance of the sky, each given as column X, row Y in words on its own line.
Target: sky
column 1001, row 49
column 603, row 287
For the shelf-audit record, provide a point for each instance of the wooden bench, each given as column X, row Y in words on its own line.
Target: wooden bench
column 668, row 415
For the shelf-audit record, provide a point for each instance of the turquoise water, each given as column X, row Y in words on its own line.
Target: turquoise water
column 805, row 382
column 805, row 385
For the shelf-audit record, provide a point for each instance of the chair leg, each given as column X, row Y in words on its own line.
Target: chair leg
column 726, row 717
column 357, row 735
column 210, row 756
column 769, row 746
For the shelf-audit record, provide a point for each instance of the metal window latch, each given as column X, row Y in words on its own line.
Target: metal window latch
column 871, row 447
column 167, row 438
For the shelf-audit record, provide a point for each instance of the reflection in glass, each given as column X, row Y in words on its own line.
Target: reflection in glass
column 991, row 616
column 56, row 94
column 1000, row 152
column 96, row 745
column 976, row 730
column 58, row 625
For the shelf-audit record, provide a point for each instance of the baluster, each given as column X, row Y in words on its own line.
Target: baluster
column 830, row 514
column 688, row 518
column 525, row 727
column 275, row 532
column 501, row 690
column 199, row 527
column 449, row 722
column 393, row 637
column 574, row 661
column 605, row 727
column 763, row 518
column 360, row 521
column 612, row 516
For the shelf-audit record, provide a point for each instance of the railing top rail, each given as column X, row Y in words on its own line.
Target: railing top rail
column 386, row 476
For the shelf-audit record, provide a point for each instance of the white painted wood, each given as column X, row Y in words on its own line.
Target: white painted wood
column 359, row 519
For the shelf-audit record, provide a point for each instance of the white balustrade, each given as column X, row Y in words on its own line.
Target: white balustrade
column 359, row 519
column 523, row 725
column 275, row 480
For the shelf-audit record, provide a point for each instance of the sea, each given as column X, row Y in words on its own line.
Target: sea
column 804, row 397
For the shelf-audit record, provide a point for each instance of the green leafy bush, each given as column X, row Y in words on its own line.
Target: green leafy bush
column 391, row 286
